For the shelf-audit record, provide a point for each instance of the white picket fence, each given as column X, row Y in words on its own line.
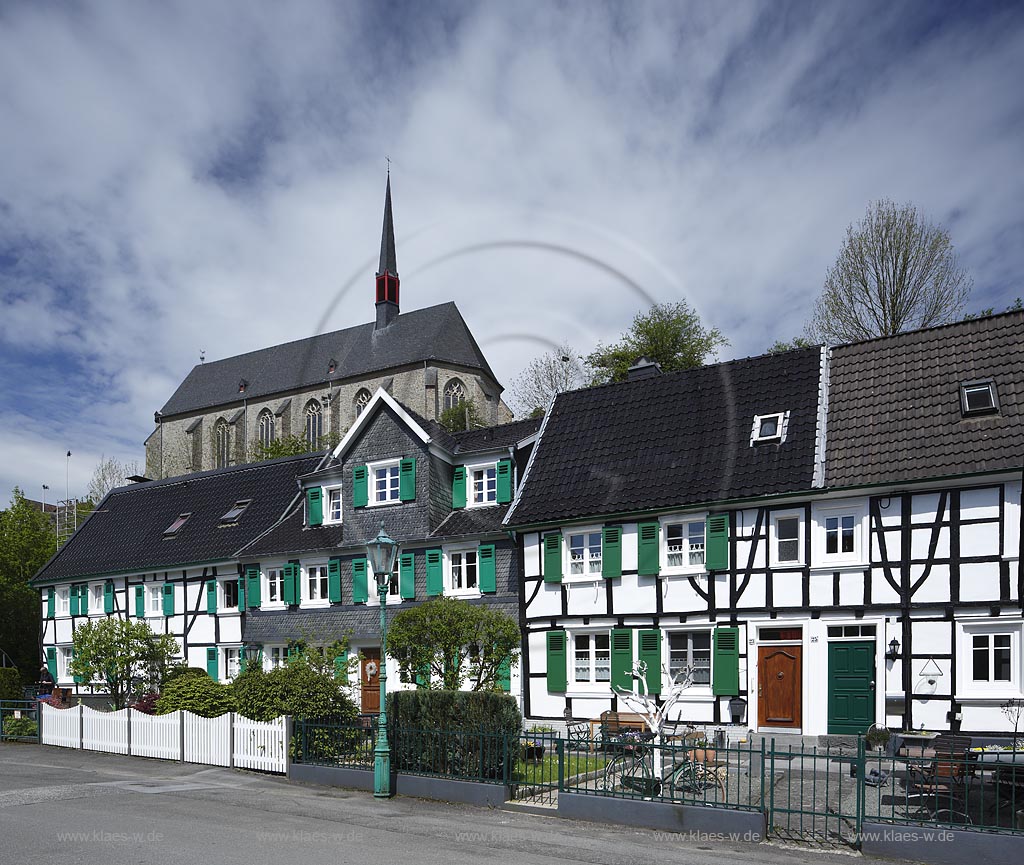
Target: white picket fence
column 230, row 740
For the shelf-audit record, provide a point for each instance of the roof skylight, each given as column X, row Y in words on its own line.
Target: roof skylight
column 236, row 511
column 173, row 528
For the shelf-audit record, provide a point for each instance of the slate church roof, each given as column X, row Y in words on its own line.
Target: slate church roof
column 674, row 440
column 437, row 333
column 126, row 532
column 895, row 411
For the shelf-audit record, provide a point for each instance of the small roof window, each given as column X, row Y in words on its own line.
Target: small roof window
column 978, row 397
column 236, row 511
column 769, row 427
column 179, row 521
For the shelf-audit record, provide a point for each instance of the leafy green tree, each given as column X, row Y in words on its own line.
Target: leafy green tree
column 779, row 346
column 290, row 446
column 895, row 271
column 464, row 416
column 671, row 334
column 1016, row 306
column 122, row 657
column 27, row 540
column 456, row 642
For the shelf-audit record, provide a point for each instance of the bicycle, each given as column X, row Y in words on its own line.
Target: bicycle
column 633, row 769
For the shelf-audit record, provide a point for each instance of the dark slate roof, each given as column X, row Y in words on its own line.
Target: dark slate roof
column 673, row 440
column 472, row 521
column 894, row 403
column 291, row 536
column 436, row 333
column 126, row 531
column 491, row 437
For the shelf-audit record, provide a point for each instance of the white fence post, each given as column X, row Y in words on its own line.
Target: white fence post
column 129, row 731
column 231, row 743
column 289, row 729
column 181, row 737
column 81, row 725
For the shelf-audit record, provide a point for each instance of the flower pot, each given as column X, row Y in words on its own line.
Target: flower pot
column 703, row 755
column 533, row 752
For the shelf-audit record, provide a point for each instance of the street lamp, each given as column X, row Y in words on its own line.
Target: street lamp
column 381, row 553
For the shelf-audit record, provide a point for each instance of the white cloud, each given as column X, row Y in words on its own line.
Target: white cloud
column 209, row 176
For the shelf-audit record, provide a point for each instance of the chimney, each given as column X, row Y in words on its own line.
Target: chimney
column 643, row 368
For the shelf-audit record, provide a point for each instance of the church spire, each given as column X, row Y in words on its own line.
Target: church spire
column 387, row 270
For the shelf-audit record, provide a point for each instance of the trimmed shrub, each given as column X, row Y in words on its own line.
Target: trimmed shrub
column 20, row 727
column 183, row 672
column 200, row 696
column 484, row 711
column 10, row 684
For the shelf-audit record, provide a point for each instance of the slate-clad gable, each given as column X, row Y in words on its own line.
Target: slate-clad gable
column 126, row 531
column 674, row 439
column 436, row 333
column 894, row 406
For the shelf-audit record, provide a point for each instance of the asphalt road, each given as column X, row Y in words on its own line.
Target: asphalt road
column 59, row 805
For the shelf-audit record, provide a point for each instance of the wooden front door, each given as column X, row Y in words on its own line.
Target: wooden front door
column 851, row 686
column 369, row 678
column 778, row 686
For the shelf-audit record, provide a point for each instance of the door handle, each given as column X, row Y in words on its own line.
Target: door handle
column 872, row 686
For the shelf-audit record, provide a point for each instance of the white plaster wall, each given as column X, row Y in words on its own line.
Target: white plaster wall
column 980, row 540
column 1011, row 511
column 679, row 596
column 636, row 595
column 754, row 595
column 935, row 588
column 924, row 508
column 920, row 541
column 587, row 598
column 531, row 555
column 851, row 587
column 979, row 504
column 979, row 581
column 630, row 550
column 547, row 601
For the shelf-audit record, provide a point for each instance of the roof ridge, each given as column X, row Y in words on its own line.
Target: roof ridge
column 208, row 473
column 963, row 321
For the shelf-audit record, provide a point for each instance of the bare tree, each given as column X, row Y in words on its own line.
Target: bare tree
column 558, row 370
column 895, row 272
column 110, row 472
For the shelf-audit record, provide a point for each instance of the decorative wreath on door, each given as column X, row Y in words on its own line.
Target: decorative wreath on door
column 371, row 669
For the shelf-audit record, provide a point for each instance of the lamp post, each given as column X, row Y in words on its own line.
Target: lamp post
column 381, row 553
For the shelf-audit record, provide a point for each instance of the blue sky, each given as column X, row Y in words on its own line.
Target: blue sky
column 178, row 177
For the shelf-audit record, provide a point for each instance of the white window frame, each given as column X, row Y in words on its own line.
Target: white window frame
column 968, row 686
column 686, row 567
column 471, row 498
column 232, row 659
column 329, row 492
column 273, row 574
column 820, row 517
column 592, row 685
column 274, row 657
column 371, row 471
column 782, row 427
column 702, row 689
column 588, row 575
column 64, row 601
column 95, row 598
column 322, row 596
column 154, row 600
column 222, row 594
column 449, row 571
column 776, row 560
column 394, row 587
column 64, row 658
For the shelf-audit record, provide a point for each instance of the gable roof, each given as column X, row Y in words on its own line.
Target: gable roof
column 673, row 440
column 894, row 404
column 492, row 437
column 126, row 532
column 437, row 333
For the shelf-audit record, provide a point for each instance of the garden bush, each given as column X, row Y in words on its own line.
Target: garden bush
column 146, row 703
column 182, row 672
column 200, row 696
column 10, row 684
column 20, row 727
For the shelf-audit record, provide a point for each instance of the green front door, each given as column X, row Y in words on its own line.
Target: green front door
column 851, row 686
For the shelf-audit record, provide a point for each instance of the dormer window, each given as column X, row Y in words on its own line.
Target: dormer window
column 978, row 397
column 332, row 366
column 768, row 427
column 236, row 511
column 173, row 528
column 242, row 385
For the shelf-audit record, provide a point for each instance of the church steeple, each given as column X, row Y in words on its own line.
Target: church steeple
column 387, row 270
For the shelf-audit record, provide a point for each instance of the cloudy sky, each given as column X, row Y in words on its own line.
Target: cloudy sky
column 179, row 177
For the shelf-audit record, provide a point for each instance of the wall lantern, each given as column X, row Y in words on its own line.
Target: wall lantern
column 894, row 649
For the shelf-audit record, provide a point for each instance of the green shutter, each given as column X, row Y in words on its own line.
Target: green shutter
column 334, row 581
column 717, row 543
column 291, row 583
column 504, row 481
column 51, row 661
column 557, row 661
column 51, row 602
column 212, row 665
column 648, row 549
column 253, row 585
column 74, row 599
column 108, row 597
column 140, row 601
column 359, row 594
column 407, row 576
column 423, row 677
column 487, row 577
column 168, row 599
column 649, row 651
column 435, row 573
column 211, row 597
column 611, row 552
column 725, row 662
column 360, row 494
column 341, row 667
column 241, row 593
column 315, row 506
column 504, row 675
column 83, row 599
column 622, row 658
column 459, row 487
column 553, row 558
column 407, row 479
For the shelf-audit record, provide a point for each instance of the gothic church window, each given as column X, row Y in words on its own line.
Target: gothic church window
column 314, row 423
column 222, row 443
column 454, row 393
column 267, row 432
column 361, row 400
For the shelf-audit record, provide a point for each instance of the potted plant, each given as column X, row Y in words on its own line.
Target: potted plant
column 533, row 747
column 877, row 737
column 700, row 748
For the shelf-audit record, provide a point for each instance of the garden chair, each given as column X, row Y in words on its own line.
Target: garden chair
column 941, row 784
column 576, row 732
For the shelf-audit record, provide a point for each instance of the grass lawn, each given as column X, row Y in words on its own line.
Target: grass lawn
column 545, row 771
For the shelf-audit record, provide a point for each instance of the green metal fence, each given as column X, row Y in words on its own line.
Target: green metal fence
column 19, row 721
